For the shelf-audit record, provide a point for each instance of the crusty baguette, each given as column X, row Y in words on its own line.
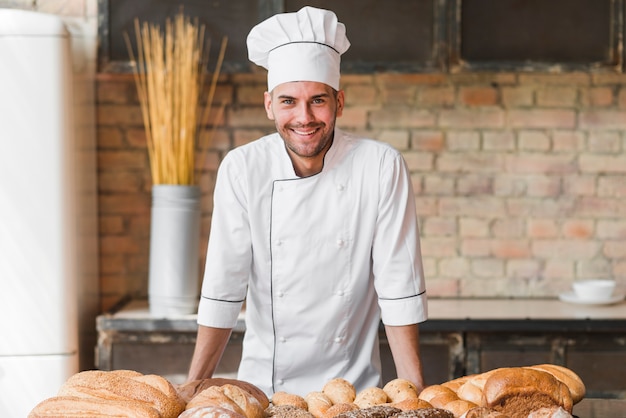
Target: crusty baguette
column 573, row 382
column 67, row 406
column 97, row 384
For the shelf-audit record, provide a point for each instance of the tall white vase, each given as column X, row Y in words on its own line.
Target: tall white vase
column 173, row 287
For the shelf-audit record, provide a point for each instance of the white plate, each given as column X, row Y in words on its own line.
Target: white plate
column 572, row 298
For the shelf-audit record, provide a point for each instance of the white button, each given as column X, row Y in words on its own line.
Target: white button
column 340, row 243
column 281, row 382
column 340, row 293
column 338, row 339
column 281, row 294
column 279, row 243
column 283, row 339
column 340, row 187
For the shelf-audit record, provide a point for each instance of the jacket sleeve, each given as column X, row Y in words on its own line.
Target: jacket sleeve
column 229, row 252
column 396, row 254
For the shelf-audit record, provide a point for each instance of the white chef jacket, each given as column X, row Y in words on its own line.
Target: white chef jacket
column 319, row 260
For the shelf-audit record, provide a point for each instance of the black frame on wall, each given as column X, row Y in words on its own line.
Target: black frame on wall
column 426, row 35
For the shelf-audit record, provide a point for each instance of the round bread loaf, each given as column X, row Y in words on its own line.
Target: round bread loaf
column 573, row 382
column 209, row 412
column 370, row 397
column 284, row 398
column 68, row 406
column 400, row 389
column 484, row 412
column 162, row 384
column 189, row 389
column 440, row 392
column 518, row 391
column 318, row 403
column 339, row 391
column 287, row 411
column 458, row 407
column 213, row 396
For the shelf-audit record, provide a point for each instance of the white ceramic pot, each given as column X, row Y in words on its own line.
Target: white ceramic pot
column 173, row 283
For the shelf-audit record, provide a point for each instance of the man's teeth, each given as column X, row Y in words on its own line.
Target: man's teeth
column 304, row 132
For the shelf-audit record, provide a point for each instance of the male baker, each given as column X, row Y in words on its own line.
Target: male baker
column 314, row 228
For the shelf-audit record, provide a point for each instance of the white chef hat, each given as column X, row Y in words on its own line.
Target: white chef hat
column 302, row 46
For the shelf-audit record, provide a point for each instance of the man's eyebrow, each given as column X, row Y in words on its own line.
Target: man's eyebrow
column 315, row 96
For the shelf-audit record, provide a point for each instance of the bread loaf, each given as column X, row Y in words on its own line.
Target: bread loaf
column 318, row 403
column 68, row 406
column 425, row 413
column 370, row 397
column 213, row 396
column 96, row 384
column 339, row 391
column 400, row 389
column 519, row 391
column 339, row 408
column 209, row 412
column 248, row 403
column 287, row 411
column 284, row 398
column 573, row 382
column 411, row 404
column 189, row 389
column 378, row 411
column 483, row 412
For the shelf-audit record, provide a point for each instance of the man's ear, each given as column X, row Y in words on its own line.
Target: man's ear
column 340, row 102
column 267, row 101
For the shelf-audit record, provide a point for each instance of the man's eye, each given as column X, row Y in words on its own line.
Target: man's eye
column 318, row 101
column 287, row 101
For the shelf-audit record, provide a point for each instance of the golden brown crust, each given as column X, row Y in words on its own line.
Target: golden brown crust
column 190, row 389
column 114, row 386
column 519, row 391
column 339, row 408
column 411, row 404
column 339, row 391
column 68, row 406
column 210, row 412
column 248, row 403
column 458, row 407
column 470, row 392
column 318, row 403
column 484, row 412
column 439, row 391
column 213, row 396
column 400, row 389
column 284, row 398
column 164, row 385
column 455, row 384
column 370, row 397
column 573, row 382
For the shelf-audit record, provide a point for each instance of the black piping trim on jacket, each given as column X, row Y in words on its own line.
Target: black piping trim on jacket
column 222, row 300
column 405, row 297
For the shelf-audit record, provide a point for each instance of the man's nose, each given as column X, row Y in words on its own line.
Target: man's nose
column 304, row 113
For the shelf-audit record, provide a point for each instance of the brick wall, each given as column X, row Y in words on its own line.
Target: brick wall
column 520, row 177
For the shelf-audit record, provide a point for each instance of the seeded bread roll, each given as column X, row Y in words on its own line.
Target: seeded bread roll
column 400, row 389
column 370, row 397
column 284, row 398
column 425, row 413
column 339, row 408
column 318, row 403
column 339, row 391
column 287, row 411
column 378, row 411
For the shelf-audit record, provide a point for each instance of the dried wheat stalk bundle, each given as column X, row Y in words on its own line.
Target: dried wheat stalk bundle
column 169, row 75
